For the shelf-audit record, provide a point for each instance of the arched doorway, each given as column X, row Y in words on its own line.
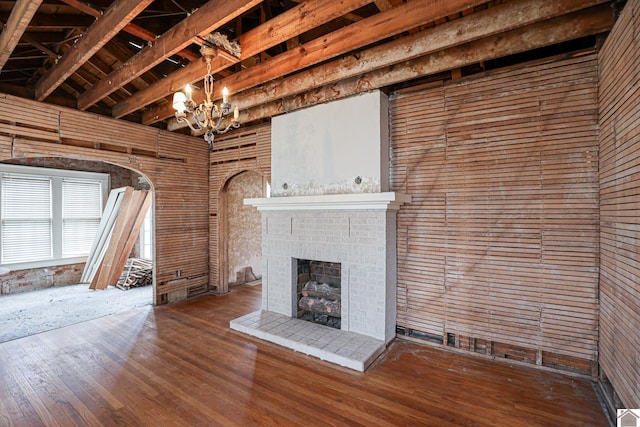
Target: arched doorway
column 44, row 293
column 241, row 257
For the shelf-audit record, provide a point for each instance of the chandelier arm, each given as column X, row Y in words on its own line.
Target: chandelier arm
column 201, row 110
column 219, row 122
column 188, row 122
column 232, row 125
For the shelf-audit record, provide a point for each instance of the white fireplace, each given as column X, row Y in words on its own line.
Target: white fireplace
column 356, row 230
column 331, row 203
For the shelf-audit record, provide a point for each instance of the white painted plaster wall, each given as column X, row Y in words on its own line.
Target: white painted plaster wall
column 322, row 149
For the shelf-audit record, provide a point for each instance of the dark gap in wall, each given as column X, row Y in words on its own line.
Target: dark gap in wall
column 234, row 147
column 543, row 52
column 222, row 162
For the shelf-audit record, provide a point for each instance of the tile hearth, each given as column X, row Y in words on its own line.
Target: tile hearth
column 345, row 348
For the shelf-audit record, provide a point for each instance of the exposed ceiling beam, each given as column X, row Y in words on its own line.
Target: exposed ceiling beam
column 35, row 43
column 131, row 28
column 516, row 12
column 383, row 5
column 97, row 35
column 206, row 19
column 17, row 23
column 83, row 7
column 576, row 25
column 369, row 30
column 42, row 22
column 278, row 30
column 481, row 24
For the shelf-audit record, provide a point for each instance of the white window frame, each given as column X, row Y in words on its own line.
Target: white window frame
column 56, row 176
column 146, row 236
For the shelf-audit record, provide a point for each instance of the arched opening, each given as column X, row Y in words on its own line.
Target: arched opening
column 46, row 294
column 240, row 257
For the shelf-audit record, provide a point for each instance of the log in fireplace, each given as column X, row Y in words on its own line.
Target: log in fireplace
column 319, row 292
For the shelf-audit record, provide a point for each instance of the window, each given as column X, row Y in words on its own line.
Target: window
column 48, row 217
column 26, row 218
column 81, row 213
column 146, row 236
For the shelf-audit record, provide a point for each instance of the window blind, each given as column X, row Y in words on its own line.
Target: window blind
column 26, row 219
column 81, row 213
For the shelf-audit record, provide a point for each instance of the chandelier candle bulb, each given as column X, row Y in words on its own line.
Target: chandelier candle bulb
column 179, row 99
column 225, row 95
column 236, row 113
column 188, row 91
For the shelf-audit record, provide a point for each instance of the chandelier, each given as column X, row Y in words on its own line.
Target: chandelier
column 207, row 117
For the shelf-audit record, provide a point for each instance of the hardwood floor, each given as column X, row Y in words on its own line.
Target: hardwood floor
column 180, row 365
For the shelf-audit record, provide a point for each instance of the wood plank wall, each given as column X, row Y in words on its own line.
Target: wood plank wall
column 247, row 149
column 619, row 97
column 176, row 165
column 498, row 251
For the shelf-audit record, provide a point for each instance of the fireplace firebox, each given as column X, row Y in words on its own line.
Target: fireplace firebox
column 319, row 292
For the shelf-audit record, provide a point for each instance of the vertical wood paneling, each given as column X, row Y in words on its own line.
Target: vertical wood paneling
column 500, row 241
column 619, row 96
column 236, row 152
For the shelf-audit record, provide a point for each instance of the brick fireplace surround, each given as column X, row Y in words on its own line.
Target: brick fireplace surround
column 356, row 230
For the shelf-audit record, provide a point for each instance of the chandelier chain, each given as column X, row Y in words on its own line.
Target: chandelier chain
column 208, row 81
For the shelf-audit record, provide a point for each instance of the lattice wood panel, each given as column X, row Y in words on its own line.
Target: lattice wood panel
column 500, row 242
column 619, row 69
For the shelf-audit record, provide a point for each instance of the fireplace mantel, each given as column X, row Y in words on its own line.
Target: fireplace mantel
column 357, row 201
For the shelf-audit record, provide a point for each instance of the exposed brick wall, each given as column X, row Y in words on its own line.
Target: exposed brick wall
column 39, row 278
column 120, row 177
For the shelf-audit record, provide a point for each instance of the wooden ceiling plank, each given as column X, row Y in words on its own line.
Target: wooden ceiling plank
column 573, row 26
column 206, row 19
column 131, row 28
column 369, row 30
column 96, row 36
column 283, row 27
column 17, row 23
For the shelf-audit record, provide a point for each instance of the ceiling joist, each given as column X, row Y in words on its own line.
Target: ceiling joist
column 203, row 21
column 576, row 25
column 114, row 19
column 131, row 28
column 278, row 30
column 21, row 14
column 295, row 53
column 373, row 29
